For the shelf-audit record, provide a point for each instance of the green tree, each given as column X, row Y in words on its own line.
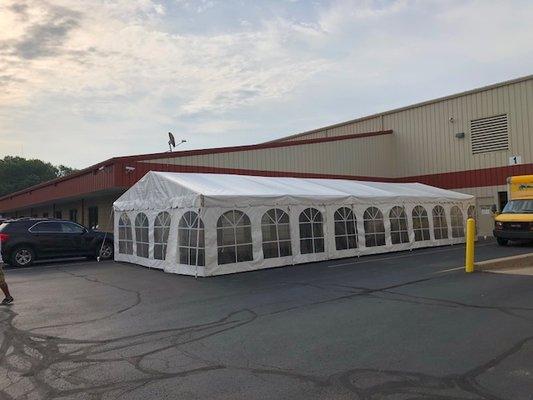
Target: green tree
column 17, row 173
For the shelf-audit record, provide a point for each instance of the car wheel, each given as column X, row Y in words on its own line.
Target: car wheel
column 502, row 241
column 105, row 251
column 22, row 256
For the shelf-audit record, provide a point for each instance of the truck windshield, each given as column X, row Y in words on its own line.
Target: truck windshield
column 519, row 207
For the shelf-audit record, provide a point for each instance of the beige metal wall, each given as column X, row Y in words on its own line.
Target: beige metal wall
column 424, row 137
column 368, row 125
column 368, row 156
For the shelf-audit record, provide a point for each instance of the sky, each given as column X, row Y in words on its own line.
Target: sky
column 86, row 80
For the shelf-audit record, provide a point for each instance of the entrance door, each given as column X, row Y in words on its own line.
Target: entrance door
column 502, row 200
column 485, row 219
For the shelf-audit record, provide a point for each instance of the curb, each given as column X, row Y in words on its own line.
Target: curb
column 519, row 261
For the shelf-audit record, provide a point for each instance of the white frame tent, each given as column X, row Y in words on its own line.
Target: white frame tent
column 251, row 222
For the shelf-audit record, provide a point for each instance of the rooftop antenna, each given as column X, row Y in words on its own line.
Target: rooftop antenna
column 172, row 142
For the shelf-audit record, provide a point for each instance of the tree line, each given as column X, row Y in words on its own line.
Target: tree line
column 17, row 173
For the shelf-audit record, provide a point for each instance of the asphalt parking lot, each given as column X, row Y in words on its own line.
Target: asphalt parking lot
column 396, row 326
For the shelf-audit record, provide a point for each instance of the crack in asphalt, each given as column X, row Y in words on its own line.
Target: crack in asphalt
column 53, row 367
column 136, row 302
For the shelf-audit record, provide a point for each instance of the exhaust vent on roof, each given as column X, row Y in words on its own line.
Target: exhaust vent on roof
column 489, row 134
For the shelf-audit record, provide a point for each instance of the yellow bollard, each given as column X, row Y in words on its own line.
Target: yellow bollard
column 470, row 235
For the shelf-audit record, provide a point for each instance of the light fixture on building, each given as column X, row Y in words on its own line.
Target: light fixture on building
column 452, row 120
column 130, row 169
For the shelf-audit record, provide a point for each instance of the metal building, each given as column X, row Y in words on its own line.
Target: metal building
column 469, row 142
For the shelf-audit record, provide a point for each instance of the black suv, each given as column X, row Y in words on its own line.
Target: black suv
column 24, row 240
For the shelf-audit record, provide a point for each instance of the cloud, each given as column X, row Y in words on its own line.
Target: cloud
column 45, row 34
column 113, row 76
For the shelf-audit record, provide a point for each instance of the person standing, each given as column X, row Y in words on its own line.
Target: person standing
column 3, row 285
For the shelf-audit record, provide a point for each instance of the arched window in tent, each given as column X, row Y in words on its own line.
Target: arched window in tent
column 141, row 235
column 311, row 231
column 234, row 238
column 420, row 224
column 276, row 234
column 345, row 229
column 456, row 218
column 161, row 232
column 374, row 227
column 125, row 235
column 191, row 239
column 440, row 226
column 471, row 212
column 398, row 225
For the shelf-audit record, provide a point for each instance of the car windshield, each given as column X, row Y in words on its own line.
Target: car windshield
column 519, row 207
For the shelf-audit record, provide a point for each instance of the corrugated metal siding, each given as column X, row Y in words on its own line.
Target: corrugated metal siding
column 371, row 156
column 425, row 137
column 423, row 143
column 370, row 125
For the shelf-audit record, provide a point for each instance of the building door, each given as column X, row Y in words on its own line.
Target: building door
column 502, row 200
column 485, row 219
column 93, row 217
column 73, row 215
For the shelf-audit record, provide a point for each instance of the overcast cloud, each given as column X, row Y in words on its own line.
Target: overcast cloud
column 82, row 81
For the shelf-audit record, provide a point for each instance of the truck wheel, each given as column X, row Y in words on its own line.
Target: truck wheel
column 22, row 256
column 502, row 241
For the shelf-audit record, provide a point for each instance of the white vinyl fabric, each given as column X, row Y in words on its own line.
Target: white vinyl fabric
column 212, row 224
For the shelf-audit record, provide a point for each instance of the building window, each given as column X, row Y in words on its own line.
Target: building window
column 73, row 215
column 276, row 234
column 141, row 235
column 58, row 215
column 161, row 232
column 311, row 231
column 345, row 229
column 191, row 239
column 440, row 226
column 374, row 227
column 420, row 224
column 93, row 217
column 398, row 225
column 471, row 212
column 234, row 238
column 125, row 235
column 456, row 218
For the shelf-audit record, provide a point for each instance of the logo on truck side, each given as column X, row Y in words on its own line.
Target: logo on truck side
column 525, row 186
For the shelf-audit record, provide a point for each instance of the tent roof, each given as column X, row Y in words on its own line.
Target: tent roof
column 163, row 190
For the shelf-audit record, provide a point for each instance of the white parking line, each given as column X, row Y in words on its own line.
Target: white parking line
column 412, row 254
column 449, row 270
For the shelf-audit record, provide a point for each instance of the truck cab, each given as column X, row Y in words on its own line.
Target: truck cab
column 515, row 222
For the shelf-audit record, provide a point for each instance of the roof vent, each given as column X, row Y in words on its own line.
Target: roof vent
column 489, row 134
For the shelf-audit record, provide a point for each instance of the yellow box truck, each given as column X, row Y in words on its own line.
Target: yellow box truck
column 515, row 222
